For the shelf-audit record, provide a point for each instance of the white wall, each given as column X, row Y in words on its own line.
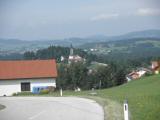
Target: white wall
column 8, row 87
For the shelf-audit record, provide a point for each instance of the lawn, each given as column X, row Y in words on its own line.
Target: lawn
column 143, row 97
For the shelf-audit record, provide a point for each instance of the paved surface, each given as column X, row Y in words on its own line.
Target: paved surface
column 50, row 108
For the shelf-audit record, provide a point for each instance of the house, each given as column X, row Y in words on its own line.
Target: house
column 156, row 67
column 138, row 73
column 26, row 75
column 132, row 76
column 74, row 58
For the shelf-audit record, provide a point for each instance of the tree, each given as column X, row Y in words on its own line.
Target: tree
column 29, row 55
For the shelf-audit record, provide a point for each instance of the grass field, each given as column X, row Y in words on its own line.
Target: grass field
column 143, row 98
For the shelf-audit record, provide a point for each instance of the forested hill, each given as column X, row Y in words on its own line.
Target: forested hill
column 8, row 46
column 56, row 52
column 126, row 49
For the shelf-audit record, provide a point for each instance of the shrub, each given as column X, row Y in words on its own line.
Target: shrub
column 22, row 93
column 45, row 91
column 14, row 94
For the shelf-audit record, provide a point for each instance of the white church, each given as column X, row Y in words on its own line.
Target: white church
column 74, row 58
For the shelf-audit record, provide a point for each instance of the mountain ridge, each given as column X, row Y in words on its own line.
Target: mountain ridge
column 23, row 45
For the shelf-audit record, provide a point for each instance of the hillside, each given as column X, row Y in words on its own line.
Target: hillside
column 128, row 48
column 8, row 46
column 143, row 97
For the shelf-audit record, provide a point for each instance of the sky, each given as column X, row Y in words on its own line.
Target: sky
column 59, row 19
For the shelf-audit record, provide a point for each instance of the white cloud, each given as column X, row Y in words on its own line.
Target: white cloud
column 148, row 12
column 104, row 17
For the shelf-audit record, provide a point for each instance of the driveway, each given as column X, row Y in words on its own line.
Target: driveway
column 50, row 108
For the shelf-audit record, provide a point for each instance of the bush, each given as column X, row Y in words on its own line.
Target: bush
column 14, row 94
column 22, row 94
column 45, row 91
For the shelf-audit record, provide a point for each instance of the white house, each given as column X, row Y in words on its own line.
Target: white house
column 25, row 75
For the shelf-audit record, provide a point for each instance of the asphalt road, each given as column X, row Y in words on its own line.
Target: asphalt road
column 50, row 108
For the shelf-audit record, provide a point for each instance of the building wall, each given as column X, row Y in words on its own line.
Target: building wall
column 8, row 87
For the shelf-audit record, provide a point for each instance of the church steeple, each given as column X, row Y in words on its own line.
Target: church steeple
column 71, row 50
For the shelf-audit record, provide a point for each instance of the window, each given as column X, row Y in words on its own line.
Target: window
column 25, row 86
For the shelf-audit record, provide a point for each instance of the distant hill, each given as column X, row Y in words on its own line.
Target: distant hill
column 126, row 49
column 14, row 45
column 138, row 34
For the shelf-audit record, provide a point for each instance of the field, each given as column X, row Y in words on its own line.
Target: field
column 143, row 98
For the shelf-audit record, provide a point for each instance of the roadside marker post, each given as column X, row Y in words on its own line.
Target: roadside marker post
column 125, row 107
column 61, row 92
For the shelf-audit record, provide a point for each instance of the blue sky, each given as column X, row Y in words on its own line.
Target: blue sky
column 58, row 19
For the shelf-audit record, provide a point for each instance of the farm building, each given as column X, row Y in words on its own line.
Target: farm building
column 138, row 74
column 26, row 75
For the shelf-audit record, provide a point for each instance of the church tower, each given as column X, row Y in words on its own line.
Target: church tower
column 71, row 50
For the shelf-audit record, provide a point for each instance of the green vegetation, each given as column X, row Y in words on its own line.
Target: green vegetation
column 77, row 75
column 56, row 52
column 22, row 94
column 126, row 49
column 143, row 96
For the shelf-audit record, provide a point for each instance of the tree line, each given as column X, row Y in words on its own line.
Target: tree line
column 55, row 52
column 71, row 76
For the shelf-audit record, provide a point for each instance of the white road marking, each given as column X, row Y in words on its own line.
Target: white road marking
column 38, row 114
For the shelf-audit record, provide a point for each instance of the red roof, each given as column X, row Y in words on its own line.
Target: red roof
column 28, row 69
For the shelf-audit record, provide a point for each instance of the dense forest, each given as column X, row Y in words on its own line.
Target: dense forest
column 77, row 75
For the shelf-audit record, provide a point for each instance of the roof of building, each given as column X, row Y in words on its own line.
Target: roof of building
column 28, row 69
column 133, row 73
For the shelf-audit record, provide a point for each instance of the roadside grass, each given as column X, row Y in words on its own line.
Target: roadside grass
column 143, row 99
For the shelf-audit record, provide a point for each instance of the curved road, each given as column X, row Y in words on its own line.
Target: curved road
column 50, row 108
